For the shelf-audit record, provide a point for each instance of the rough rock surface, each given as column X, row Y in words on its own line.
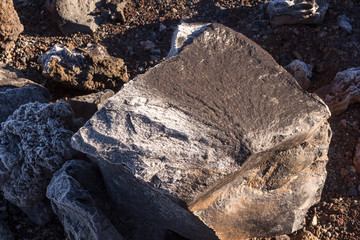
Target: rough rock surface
column 77, row 196
column 301, row 71
column 16, row 91
column 74, row 16
column 207, row 129
column 345, row 90
column 34, row 143
column 85, row 106
column 90, row 69
column 10, row 26
column 297, row 11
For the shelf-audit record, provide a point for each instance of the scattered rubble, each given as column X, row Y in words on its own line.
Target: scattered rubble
column 90, row 69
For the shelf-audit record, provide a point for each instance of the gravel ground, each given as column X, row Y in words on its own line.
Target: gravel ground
column 327, row 47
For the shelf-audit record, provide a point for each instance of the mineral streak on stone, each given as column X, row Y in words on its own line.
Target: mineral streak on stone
column 73, row 16
column 78, row 198
column 184, row 35
column 34, row 143
column 90, row 69
column 344, row 91
column 297, row 11
column 10, row 26
column 301, row 71
column 200, row 124
column 16, row 91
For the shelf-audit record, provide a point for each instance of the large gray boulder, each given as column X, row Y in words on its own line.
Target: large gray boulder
column 74, row 16
column 283, row 12
column 79, row 199
column 34, row 143
column 16, row 91
column 219, row 129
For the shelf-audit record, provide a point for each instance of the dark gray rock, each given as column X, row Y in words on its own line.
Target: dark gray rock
column 344, row 23
column 283, row 12
column 85, row 106
column 16, row 91
column 78, row 197
column 34, row 143
column 193, row 128
column 74, row 16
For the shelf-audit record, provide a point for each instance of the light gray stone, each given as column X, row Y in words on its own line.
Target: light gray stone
column 344, row 90
column 196, row 126
column 16, row 91
column 283, row 12
column 301, row 71
column 74, row 16
column 78, row 198
column 34, row 143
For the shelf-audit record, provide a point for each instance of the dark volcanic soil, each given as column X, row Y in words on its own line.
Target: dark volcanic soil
column 327, row 47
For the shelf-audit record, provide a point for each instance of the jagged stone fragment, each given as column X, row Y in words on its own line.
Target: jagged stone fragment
column 237, row 141
column 301, row 71
column 344, row 91
column 74, row 16
column 78, row 198
column 34, row 143
column 10, row 26
column 283, row 12
column 89, row 69
column 16, row 91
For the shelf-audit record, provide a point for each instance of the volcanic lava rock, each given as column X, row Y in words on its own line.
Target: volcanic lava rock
column 10, row 26
column 16, row 91
column 78, row 198
column 90, row 69
column 219, row 129
column 74, row 16
column 301, row 71
column 345, row 90
column 34, row 143
column 297, row 11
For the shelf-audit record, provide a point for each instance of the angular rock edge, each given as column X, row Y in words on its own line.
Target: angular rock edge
column 168, row 133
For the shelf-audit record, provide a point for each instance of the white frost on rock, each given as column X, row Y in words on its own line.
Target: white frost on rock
column 183, row 35
column 69, row 58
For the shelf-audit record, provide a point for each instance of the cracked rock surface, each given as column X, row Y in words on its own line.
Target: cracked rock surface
column 214, row 125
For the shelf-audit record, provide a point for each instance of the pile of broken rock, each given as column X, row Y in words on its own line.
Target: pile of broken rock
column 218, row 141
